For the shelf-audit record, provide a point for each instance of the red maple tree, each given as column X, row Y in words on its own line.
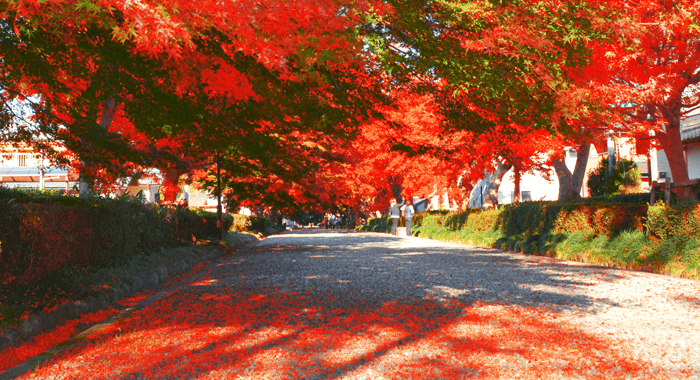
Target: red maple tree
column 648, row 72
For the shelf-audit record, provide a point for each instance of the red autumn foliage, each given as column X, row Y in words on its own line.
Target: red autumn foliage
column 647, row 73
column 406, row 152
column 16, row 355
column 203, row 332
column 172, row 84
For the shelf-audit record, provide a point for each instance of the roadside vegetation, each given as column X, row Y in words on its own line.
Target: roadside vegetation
column 60, row 249
column 662, row 239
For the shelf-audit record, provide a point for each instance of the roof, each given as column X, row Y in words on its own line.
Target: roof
column 33, row 174
column 690, row 128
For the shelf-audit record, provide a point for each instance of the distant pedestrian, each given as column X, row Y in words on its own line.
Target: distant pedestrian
column 408, row 212
column 395, row 213
column 326, row 220
column 333, row 220
column 338, row 220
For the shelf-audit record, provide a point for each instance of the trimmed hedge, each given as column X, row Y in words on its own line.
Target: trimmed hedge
column 537, row 218
column 381, row 224
column 660, row 238
column 679, row 221
column 43, row 233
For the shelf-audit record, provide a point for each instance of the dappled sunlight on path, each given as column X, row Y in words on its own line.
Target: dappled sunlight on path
column 222, row 332
column 343, row 305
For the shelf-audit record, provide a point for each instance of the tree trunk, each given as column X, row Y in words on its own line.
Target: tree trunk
column 219, row 213
column 582, row 154
column 108, row 110
column 566, row 188
column 673, row 147
column 395, row 189
column 570, row 183
column 274, row 215
column 169, row 189
column 491, row 199
column 516, row 183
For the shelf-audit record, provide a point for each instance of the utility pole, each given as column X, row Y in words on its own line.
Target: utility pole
column 42, row 185
column 219, row 213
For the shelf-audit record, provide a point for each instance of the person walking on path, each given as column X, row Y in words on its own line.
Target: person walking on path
column 395, row 213
column 333, row 221
column 338, row 220
column 408, row 212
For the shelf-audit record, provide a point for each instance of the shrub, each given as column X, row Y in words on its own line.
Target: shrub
column 664, row 221
column 483, row 220
column 573, row 219
column 623, row 179
column 240, row 222
column 456, row 221
column 381, row 224
column 634, row 198
column 263, row 225
column 431, row 219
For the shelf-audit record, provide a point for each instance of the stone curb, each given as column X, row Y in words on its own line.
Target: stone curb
column 36, row 324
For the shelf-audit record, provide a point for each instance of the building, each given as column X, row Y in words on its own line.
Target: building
column 202, row 199
column 22, row 166
column 690, row 136
column 536, row 186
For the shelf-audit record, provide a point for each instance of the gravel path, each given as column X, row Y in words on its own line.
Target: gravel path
column 313, row 304
column 656, row 317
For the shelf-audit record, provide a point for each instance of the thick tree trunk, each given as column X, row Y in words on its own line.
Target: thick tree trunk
column 516, row 183
column 169, row 189
column 109, row 107
column 570, row 183
column 582, row 154
column 491, row 199
column 673, row 147
column 566, row 190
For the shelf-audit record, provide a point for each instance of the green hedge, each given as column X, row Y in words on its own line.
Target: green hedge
column 537, row 218
column 210, row 220
column 678, row 221
column 240, row 222
column 43, row 233
column 382, row 224
column 660, row 238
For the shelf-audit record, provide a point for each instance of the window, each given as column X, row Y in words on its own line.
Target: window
column 21, row 160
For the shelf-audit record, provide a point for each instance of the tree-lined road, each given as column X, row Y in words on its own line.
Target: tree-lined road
column 313, row 304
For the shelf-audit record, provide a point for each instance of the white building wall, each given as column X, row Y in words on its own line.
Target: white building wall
column 664, row 167
column 477, row 195
column 536, row 184
column 692, row 158
column 539, row 188
column 693, row 152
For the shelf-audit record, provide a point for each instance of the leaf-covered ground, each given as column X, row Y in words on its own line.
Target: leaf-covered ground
column 235, row 322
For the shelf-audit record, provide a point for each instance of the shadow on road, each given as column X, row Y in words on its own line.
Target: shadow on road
column 351, row 305
column 379, row 268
